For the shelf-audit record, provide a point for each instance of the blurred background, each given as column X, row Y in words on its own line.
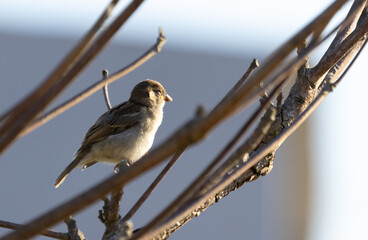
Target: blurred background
column 317, row 188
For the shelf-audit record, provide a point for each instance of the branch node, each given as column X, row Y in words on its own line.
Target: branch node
column 161, row 39
column 73, row 232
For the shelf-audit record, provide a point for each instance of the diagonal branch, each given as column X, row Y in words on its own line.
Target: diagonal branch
column 74, row 54
column 28, row 109
column 344, row 41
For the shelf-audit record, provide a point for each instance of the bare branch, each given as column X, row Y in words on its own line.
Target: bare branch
column 74, row 54
column 47, row 233
column 95, row 87
column 30, row 107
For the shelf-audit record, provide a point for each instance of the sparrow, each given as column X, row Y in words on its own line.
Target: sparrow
column 125, row 132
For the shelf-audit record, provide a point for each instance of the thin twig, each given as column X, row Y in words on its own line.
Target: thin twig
column 29, row 108
column 105, row 75
column 192, row 132
column 242, row 80
column 95, row 87
column 153, row 185
column 47, row 233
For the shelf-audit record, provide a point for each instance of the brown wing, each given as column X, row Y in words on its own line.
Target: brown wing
column 114, row 121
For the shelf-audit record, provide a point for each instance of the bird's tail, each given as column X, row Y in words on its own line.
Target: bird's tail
column 66, row 171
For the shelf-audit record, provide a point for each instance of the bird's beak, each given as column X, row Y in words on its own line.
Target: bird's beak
column 168, row 98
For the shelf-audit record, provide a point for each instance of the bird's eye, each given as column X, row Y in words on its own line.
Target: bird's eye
column 157, row 91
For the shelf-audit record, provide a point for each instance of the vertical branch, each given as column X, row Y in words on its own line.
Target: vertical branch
column 105, row 75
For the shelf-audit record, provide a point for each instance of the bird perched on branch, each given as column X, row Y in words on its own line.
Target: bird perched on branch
column 125, row 132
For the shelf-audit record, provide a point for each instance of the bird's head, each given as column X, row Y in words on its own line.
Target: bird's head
column 150, row 93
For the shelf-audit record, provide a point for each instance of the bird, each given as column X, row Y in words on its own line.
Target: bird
column 123, row 133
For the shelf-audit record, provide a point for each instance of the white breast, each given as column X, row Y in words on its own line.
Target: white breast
column 129, row 145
